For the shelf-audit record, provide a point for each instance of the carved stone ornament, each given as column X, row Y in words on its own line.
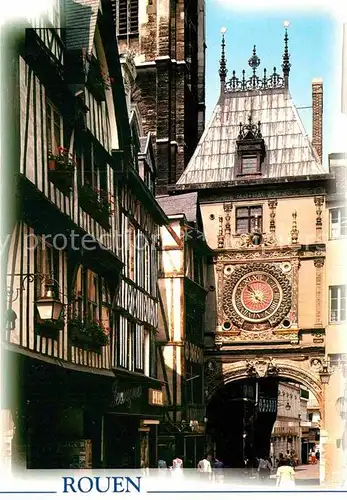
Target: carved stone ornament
column 247, row 240
column 274, row 287
column 254, row 337
column 297, row 369
column 262, row 368
column 316, row 365
column 261, row 254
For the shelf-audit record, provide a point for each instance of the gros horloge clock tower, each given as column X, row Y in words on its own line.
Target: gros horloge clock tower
column 262, row 189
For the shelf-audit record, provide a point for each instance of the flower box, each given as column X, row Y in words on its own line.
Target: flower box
column 95, row 205
column 98, row 82
column 61, row 169
column 87, row 335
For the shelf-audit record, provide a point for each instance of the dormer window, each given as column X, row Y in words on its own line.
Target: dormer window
column 250, row 164
column 250, row 149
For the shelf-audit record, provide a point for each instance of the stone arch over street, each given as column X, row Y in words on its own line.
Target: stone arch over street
column 305, row 372
column 243, row 401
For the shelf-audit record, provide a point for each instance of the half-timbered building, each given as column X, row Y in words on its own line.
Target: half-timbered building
column 182, row 297
column 81, row 293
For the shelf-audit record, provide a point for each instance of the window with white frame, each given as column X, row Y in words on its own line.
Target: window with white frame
column 54, row 123
column 338, row 300
column 131, row 251
column 95, row 170
column 122, row 343
column 338, row 222
column 147, row 261
column 92, row 298
column 246, row 217
column 46, row 265
column 147, row 352
column 138, row 347
column 131, row 346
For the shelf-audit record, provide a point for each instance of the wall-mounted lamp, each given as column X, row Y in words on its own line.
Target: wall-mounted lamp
column 48, row 307
column 325, row 373
column 288, row 407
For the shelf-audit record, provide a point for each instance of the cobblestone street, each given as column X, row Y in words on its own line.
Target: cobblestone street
column 305, row 475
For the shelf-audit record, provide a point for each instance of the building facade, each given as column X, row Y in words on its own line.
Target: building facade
column 168, row 42
column 291, row 413
column 334, row 417
column 182, row 292
column 262, row 189
column 81, row 301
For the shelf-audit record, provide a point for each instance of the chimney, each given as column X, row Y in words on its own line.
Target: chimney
column 317, row 116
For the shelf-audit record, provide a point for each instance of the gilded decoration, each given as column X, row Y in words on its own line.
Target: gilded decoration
column 293, row 316
column 272, row 206
column 268, row 301
column 247, row 241
column 254, row 336
column 219, row 270
column 220, row 233
column 294, row 233
column 227, row 227
column 319, row 201
column 261, row 254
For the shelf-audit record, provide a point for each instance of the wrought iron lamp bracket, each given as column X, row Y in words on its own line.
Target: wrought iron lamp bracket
column 30, row 278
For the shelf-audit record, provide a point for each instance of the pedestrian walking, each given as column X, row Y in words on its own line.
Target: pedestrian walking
column 177, row 466
column 264, row 469
column 218, row 470
column 162, row 464
column 205, row 464
column 285, row 475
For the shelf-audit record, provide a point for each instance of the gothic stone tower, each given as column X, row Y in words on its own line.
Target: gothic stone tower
column 168, row 40
column 262, row 190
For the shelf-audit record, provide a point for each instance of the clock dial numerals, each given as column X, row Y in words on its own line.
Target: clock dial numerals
column 257, row 296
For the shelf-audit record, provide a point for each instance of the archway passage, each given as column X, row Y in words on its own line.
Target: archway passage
column 240, row 417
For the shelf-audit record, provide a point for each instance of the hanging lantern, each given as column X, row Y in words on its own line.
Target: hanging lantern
column 325, row 374
column 48, row 307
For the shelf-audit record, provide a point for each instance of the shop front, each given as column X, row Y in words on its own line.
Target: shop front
column 57, row 413
column 131, row 422
column 68, row 416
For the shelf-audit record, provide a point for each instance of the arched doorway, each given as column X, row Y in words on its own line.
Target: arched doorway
column 243, row 406
column 240, row 418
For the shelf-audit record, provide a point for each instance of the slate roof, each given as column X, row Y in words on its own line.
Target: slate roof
column 289, row 151
column 81, row 17
column 186, row 204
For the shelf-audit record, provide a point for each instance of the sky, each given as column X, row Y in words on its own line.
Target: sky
column 314, row 46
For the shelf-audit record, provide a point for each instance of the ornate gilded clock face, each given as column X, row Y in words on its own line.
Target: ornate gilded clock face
column 257, row 296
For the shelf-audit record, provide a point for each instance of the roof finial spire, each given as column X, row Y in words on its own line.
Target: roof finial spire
column 223, row 62
column 254, row 61
column 286, row 64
